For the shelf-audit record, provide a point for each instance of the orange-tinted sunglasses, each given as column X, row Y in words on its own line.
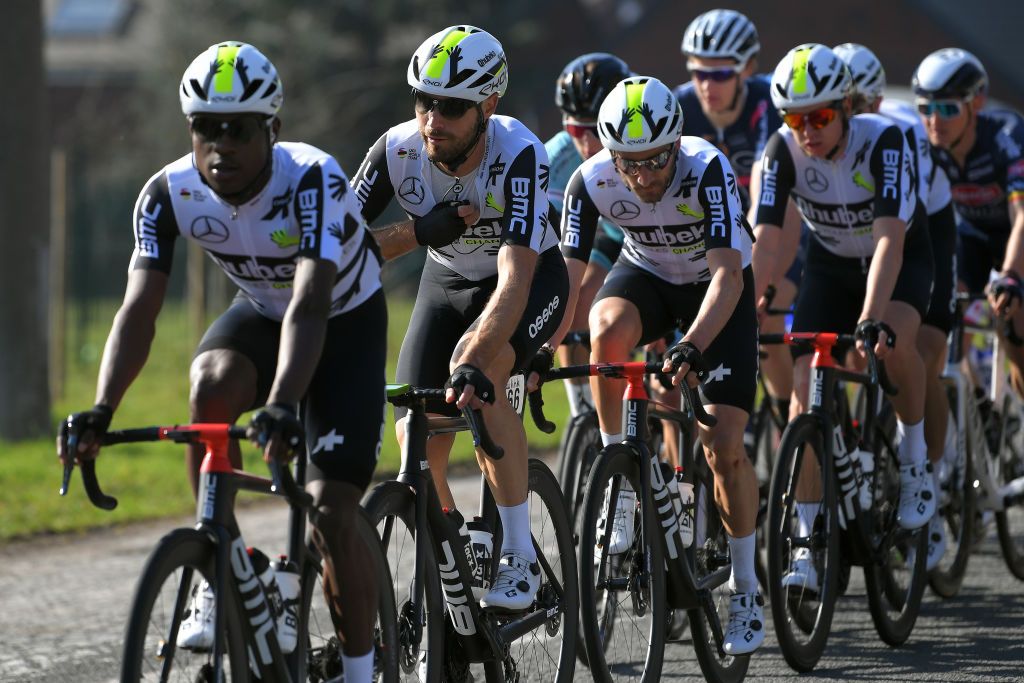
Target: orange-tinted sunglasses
column 817, row 119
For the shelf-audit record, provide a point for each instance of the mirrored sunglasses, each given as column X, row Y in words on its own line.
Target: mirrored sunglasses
column 817, row 119
column 633, row 166
column 717, row 74
column 579, row 129
column 944, row 109
column 449, row 107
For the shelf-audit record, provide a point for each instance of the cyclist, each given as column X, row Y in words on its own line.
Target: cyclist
column 279, row 219
column 982, row 152
column 725, row 104
column 579, row 92
column 474, row 185
column 869, row 262
column 685, row 257
column 933, row 193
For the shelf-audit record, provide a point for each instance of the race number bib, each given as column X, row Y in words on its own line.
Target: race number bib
column 516, row 392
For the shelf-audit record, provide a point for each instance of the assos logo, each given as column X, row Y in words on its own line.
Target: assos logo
column 537, row 325
column 717, row 211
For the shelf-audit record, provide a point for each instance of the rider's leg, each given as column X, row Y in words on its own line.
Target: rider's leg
column 615, row 329
column 931, row 344
column 578, row 389
column 777, row 364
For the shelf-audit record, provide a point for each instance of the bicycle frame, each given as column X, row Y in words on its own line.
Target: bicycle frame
column 481, row 637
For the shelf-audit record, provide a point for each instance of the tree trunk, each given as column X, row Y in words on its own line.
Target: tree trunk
column 24, row 227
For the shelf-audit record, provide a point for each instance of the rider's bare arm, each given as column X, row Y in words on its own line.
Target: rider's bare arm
column 889, row 233
column 726, row 267
column 1014, row 259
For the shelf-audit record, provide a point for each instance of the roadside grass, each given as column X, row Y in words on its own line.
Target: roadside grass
column 149, row 480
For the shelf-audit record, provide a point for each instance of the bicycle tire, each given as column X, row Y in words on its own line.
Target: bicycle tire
column 894, row 590
column 708, row 553
column 190, row 552
column 318, row 653
column 802, row 620
column 762, row 456
column 1010, row 519
column 531, row 657
column 958, row 508
column 599, row 609
column 391, row 505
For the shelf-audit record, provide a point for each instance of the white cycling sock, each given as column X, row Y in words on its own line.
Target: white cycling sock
column 913, row 449
column 609, row 439
column 742, row 550
column 515, row 529
column 579, row 396
column 358, row 669
column 805, row 514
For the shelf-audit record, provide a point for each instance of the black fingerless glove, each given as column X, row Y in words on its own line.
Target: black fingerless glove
column 96, row 420
column 441, row 226
column 541, row 362
column 277, row 419
column 1009, row 283
column 868, row 329
column 474, row 377
column 685, row 352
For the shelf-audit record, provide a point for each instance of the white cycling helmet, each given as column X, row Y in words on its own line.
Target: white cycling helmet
column 809, row 74
column 640, row 113
column 461, row 61
column 231, row 78
column 949, row 73
column 865, row 69
column 721, row 34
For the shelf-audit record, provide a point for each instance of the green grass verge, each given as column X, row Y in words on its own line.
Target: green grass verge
column 149, row 480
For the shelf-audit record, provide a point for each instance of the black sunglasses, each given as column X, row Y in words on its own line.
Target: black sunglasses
column 449, row 108
column 240, row 129
column 655, row 163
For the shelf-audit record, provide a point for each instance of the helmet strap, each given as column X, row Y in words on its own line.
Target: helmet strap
column 970, row 122
column 842, row 138
column 460, row 158
column 254, row 186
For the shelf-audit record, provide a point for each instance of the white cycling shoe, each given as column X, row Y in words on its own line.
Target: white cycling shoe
column 936, row 542
column 622, row 524
column 745, row 631
column 803, row 575
column 917, row 496
column 196, row 629
column 515, row 587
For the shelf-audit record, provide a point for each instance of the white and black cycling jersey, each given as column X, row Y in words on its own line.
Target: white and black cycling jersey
column 932, row 183
column 840, row 199
column 305, row 210
column 700, row 210
column 509, row 188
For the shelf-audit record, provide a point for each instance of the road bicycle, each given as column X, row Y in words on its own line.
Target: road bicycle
column 214, row 551
column 443, row 633
column 858, row 470
column 628, row 600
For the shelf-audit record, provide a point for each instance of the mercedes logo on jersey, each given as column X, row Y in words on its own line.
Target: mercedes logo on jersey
column 816, row 180
column 411, row 190
column 625, row 210
column 209, row 229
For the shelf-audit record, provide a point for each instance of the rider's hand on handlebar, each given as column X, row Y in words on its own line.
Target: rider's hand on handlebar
column 469, row 386
column 79, row 436
column 543, row 361
column 277, row 430
column 1004, row 294
column 764, row 303
column 685, row 360
column 877, row 335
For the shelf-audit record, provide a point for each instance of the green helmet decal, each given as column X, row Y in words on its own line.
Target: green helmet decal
column 226, row 54
column 435, row 66
column 634, row 103
column 800, row 59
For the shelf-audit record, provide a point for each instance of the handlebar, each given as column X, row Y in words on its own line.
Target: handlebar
column 822, row 342
column 474, row 418
column 283, row 481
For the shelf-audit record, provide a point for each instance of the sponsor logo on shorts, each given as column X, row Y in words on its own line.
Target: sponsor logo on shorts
column 537, row 325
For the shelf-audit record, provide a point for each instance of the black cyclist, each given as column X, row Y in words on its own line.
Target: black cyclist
column 933, row 192
column 727, row 105
column 579, row 92
column 309, row 320
column 869, row 262
column 685, row 257
column 982, row 152
column 474, row 185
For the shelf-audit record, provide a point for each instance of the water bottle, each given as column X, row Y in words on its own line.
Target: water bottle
column 864, row 463
column 685, row 491
column 456, row 519
column 482, row 542
column 286, row 573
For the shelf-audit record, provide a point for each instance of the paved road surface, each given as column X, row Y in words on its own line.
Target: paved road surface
column 64, row 602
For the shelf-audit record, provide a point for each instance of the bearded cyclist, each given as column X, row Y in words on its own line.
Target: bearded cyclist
column 279, row 219
column 579, row 92
column 474, row 185
column 982, row 152
column 685, row 257
column 933, row 193
column 869, row 262
column 728, row 106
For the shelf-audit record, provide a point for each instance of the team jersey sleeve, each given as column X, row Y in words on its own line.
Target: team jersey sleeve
column 1011, row 143
column 723, row 216
column 777, row 179
column 892, row 172
column 327, row 212
column 579, row 220
column 155, row 227
column 525, row 218
column 372, row 183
